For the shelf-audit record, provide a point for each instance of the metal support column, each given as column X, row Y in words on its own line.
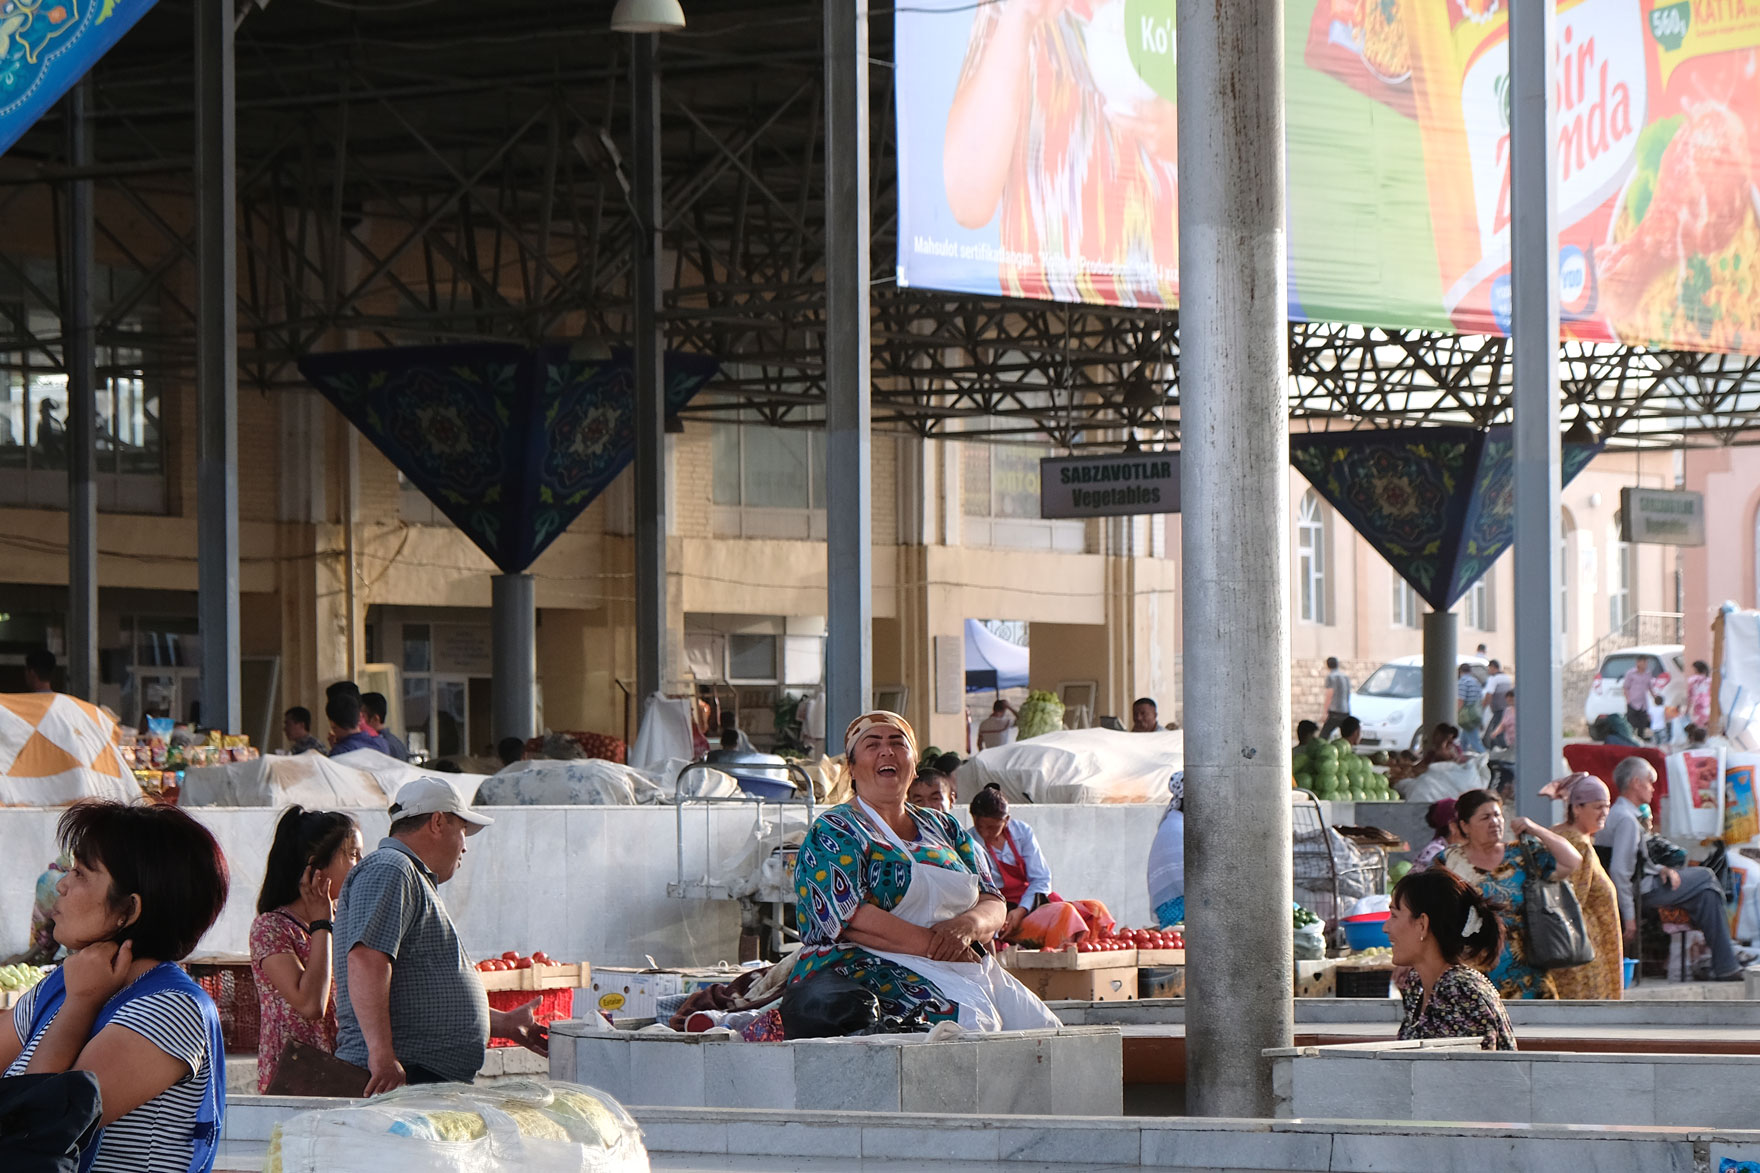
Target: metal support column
column 650, row 349
column 1441, row 665
column 79, row 353
column 1534, row 330
column 848, row 380
column 514, row 652
column 1233, row 489
column 216, row 366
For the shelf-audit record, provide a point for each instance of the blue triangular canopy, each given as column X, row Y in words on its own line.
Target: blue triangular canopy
column 991, row 661
column 46, row 46
column 510, row 443
column 1437, row 503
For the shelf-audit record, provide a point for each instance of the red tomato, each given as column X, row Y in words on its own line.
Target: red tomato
column 510, row 955
column 523, row 963
column 539, row 955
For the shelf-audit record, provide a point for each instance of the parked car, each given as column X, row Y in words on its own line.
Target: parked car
column 1390, row 704
column 1606, row 697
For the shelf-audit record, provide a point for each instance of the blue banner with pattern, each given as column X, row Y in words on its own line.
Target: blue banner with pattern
column 1437, row 503
column 510, row 443
column 48, row 45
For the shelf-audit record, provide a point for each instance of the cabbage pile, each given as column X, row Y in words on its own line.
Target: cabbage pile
column 1042, row 713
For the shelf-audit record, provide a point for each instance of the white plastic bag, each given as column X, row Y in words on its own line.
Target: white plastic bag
column 525, row 1126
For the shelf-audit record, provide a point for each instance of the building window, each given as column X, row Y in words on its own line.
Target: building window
column 1481, row 611
column 1620, row 575
column 129, row 456
column 767, row 482
column 999, row 494
column 1311, row 558
column 1405, row 603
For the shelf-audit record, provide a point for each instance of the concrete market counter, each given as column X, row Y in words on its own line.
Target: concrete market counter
column 1074, row 1071
column 712, row 1139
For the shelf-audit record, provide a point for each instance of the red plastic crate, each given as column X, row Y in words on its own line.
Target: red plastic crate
column 234, row 991
column 553, row 1006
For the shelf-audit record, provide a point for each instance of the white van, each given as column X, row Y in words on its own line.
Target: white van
column 1390, row 704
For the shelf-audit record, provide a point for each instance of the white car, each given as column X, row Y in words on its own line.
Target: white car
column 1606, row 697
column 1390, row 704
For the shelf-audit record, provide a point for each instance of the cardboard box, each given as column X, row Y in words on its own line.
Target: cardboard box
column 1081, row 985
column 630, row 993
column 1315, row 979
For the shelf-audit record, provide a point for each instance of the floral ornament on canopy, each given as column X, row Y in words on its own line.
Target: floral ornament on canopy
column 1437, row 503
column 46, row 46
column 511, row 444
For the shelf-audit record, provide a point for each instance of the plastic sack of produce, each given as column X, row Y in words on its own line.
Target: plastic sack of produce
column 515, row 1127
column 1042, row 714
column 1077, row 766
column 1050, row 926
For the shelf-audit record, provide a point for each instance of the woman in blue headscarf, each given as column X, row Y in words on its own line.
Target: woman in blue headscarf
column 1167, row 858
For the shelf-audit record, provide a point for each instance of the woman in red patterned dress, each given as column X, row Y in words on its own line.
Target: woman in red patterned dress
column 290, row 939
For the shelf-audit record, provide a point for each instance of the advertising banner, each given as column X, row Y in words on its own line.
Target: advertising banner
column 1038, row 157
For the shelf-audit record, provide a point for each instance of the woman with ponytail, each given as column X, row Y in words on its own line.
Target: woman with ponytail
column 1438, row 925
column 290, row 939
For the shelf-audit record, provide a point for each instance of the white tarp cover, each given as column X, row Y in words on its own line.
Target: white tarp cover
column 576, row 782
column 1078, row 765
column 664, row 734
column 57, row 749
column 1738, row 676
column 363, row 779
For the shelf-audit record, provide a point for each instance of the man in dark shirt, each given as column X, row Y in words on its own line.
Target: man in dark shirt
column 374, row 707
column 348, row 732
column 296, row 728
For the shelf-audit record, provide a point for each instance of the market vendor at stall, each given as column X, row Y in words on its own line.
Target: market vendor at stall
column 899, row 899
column 1020, row 867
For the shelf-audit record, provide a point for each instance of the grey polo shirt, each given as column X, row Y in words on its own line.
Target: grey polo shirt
column 439, row 1012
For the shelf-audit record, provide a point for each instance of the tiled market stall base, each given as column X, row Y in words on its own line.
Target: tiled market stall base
column 1455, row 1080
column 718, row 1139
column 1074, row 1071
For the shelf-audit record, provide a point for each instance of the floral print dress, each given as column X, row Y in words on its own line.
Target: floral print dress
column 1463, row 1005
column 1502, row 886
column 277, row 1022
column 844, row 864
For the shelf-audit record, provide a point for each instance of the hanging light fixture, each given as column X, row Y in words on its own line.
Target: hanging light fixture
column 647, row 16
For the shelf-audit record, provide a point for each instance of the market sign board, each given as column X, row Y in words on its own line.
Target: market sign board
column 1397, row 147
column 1666, row 517
column 1121, row 485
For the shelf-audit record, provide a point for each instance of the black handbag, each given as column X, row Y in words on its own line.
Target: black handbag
column 1557, row 938
column 46, row 1119
column 828, row 1006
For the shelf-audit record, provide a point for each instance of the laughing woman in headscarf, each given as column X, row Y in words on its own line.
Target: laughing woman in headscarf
column 901, row 900
column 1167, row 858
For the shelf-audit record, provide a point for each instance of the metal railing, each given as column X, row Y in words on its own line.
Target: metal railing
column 1641, row 627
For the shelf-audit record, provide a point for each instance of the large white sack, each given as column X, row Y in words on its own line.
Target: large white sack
column 1738, row 676
column 1078, row 766
column 364, row 779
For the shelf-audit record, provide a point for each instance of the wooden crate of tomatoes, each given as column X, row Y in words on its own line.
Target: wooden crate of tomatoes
column 512, row 971
column 1155, row 946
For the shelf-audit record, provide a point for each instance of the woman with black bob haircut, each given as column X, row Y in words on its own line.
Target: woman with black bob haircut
column 1438, row 924
column 291, row 955
column 146, row 883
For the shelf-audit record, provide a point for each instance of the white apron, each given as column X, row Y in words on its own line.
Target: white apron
column 988, row 996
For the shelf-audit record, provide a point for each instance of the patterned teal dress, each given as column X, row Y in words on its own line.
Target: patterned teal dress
column 843, row 865
column 1512, row 975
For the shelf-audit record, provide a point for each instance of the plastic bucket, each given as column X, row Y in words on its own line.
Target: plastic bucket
column 1366, row 934
column 1631, row 967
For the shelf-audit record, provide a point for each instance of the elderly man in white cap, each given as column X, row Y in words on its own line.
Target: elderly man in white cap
column 410, row 1007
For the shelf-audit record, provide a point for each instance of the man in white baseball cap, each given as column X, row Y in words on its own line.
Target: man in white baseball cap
column 410, row 1007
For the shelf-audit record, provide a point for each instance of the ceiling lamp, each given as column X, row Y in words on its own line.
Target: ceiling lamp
column 647, row 16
